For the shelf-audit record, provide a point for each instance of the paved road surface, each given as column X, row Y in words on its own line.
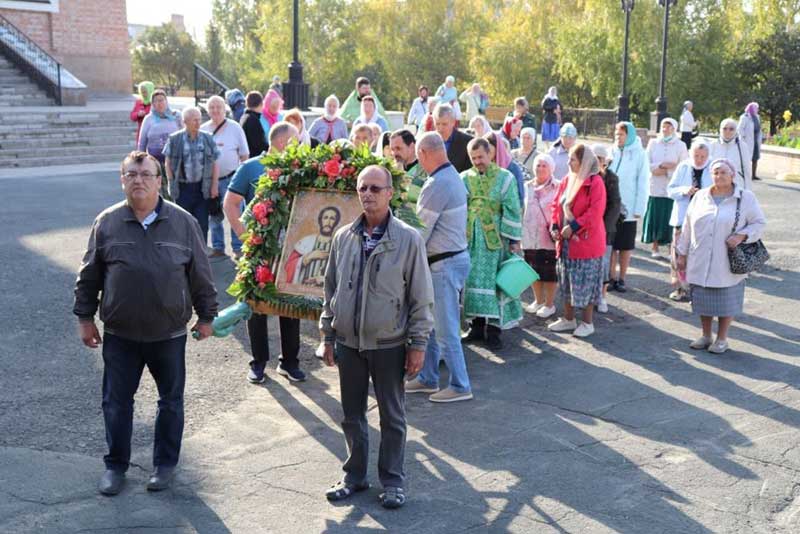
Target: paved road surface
column 628, row 431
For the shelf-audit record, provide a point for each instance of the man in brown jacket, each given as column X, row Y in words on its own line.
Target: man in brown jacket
column 148, row 258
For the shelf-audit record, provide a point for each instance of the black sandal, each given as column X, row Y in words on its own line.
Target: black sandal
column 392, row 497
column 342, row 490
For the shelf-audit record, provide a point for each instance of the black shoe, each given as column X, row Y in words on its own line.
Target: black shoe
column 256, row 375
column 161, row 478
column 111, row 482
column 494, row 342
column 612, row 285
column 756, row 178
column 295, row 375
column 474, row 334
column 620, row 286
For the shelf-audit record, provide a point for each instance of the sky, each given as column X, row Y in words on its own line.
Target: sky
column 196, row 13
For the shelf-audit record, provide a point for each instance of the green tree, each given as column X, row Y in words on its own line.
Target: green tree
column 213, row 52
column 164, row 55
column 770, row 73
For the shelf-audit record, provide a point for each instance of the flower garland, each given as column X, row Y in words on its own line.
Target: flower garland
column 333, row 167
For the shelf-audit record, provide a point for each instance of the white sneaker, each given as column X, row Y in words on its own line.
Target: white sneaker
column 584, row 330
column 655, row 255
column 602, row 306
column 701, row 343
column 562, row 325
column 545, row 312
column 533, row 307
column 719, row 346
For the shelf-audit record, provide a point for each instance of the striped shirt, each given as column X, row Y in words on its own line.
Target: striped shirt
column 442, row 209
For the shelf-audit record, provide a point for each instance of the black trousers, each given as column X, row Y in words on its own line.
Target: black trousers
column 259, row 341
column 386, row 367
column 124, row 362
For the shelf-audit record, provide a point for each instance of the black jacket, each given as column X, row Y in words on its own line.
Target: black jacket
column 149, row 279
column 457, row 153
column 613, row 204
column 254, row 132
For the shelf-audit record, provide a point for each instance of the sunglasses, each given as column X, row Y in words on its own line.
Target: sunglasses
column 374, row 189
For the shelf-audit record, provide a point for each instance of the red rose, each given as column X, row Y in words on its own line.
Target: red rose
column 263, row 221
column 296, row 164
column 331, row 168
column 337, row 157
column 264, row 275
column 274, row 173
column 256, row 239
column 260, row 210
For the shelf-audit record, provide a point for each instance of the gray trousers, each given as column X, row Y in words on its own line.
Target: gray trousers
column 386, row 367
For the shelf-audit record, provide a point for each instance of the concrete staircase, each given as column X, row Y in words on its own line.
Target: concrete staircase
column 63, row 136
column 16, row 89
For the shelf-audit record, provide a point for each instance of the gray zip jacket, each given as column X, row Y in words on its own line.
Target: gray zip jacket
column 396, row 296
column 149, row 279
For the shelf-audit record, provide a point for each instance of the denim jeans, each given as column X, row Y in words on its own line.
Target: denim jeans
column 216, row 227
column 124, row 361
column 449, row 276
column 191, row 199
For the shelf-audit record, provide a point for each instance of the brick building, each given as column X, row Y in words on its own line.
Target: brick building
column 89, row 37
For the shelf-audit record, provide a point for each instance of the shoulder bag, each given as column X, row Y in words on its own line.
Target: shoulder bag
column 746, row 257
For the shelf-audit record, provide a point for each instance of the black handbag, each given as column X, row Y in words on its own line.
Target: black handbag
column 746, row 257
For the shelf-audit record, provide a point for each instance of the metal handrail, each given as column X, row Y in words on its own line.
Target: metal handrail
column 31, row 58
column 212, row 84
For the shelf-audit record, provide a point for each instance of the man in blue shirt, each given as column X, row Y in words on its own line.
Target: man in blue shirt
column 243, row 188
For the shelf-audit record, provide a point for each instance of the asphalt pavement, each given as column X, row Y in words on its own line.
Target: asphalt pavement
column 626, row 431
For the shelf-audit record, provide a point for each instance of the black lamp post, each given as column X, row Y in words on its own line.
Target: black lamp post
column 623, row 109
column 295, row 91
column 661, row 101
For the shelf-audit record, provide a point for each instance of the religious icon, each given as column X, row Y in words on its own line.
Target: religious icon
column 316, row 215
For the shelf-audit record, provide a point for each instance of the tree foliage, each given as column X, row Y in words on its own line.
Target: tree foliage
column 164, row 55
column 513, row 48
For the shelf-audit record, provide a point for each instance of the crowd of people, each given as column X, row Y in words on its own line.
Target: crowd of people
column 483, row 196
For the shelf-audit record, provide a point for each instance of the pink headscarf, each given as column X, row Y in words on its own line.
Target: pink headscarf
column 752, row 109
column 272, row 94
column 502, row 156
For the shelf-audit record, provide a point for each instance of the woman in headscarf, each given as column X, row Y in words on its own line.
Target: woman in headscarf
column 629, row 163
column 551, row 115
column 749, row 130
column 512, row 127
column 157, row 126
column 610, row 215
column 472, row 98
column 273, row 105
column 480, row 126
column 525, row 154
column 448, row 94
column 691, row 176
column 688, row 124
column 580, row 236
column 729, row 146
column 664, row 154
column 428, row 124
column 560, row 150
column 710, row 229
column 537, row 243
column 142, row 105
column 501, row 155
column 329, row 127
column 295, row 117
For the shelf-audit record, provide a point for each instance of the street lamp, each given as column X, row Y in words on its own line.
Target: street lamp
column 623, row 110
column 295, row 91
column 661, row 101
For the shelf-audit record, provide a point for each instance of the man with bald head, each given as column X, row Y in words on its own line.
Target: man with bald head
column 191, row 168
column 442, row 208
column 243, row 188
column 378, row 326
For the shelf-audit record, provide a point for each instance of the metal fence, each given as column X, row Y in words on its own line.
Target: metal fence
column 31, row 58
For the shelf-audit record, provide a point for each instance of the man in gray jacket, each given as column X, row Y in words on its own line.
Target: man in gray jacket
column 148, row 258
column 378, row 311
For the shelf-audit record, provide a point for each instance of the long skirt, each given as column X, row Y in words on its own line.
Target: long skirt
column 718, row 301
column 581, row 280
column 656, row 228
column 550, row 131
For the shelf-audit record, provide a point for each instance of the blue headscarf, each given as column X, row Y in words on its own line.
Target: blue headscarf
column 632, row 135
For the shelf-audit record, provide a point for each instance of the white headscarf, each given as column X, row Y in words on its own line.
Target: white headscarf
column 674, row 124
column 697, row 144
column 727, row 122
column 335, row 98
column 589, row 167
column 552, row 92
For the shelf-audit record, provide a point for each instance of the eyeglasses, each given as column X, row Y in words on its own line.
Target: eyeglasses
column 145, row 175
column 374, row 189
